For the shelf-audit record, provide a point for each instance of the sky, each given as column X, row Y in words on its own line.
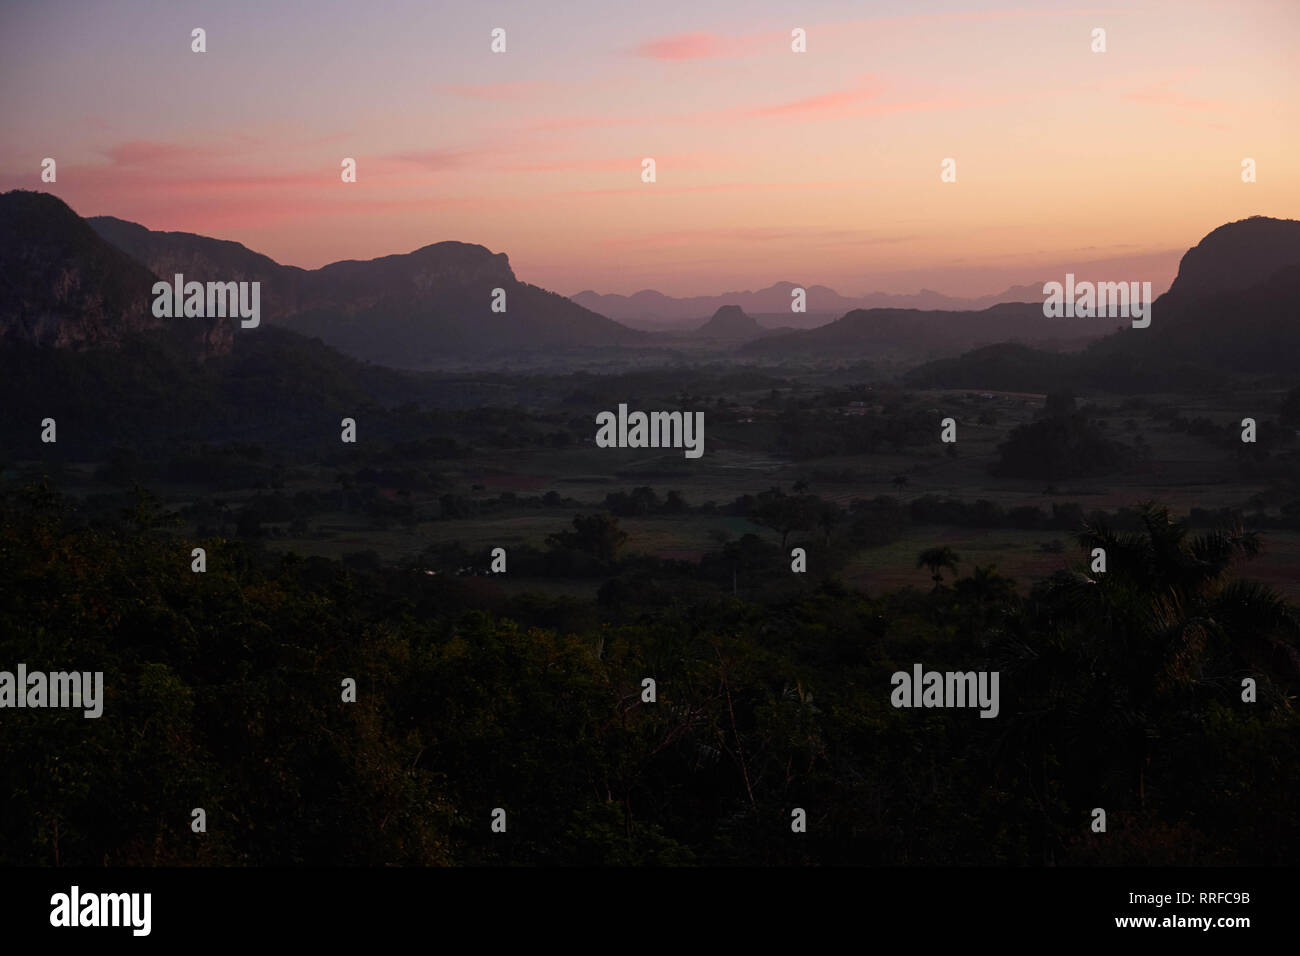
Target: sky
column 821, row 167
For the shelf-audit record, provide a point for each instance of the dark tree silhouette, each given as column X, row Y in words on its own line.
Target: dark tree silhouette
column 938, row 559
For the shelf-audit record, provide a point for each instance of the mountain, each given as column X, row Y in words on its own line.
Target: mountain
column 731, row 324
column 1234, row 308
column 651, row 307
column 86, row 285
column 655, row 307
column 79, row 343
column 1237, row 256
column 63, row 286
column 411, row 310
column 198, row 257
column 868, row 332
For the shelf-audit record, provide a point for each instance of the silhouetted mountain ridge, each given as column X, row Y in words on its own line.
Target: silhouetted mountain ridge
column 731, row 324
column 62, row 286
column 405, row 310
column 79, row 343
column 1237, row 256
column 78, row 284
column 863, row 332
column 1234, row 308
column 649, row 305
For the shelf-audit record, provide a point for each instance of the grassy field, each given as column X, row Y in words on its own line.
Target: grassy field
column 1180, row 470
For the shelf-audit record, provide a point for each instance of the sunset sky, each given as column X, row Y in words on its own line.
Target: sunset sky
column 821, row 167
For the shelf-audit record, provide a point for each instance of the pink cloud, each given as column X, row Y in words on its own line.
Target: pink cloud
column 494, row 91
column 707, row 46
column 437, row 159
column 856, row 101
column 551, row 124
column 1161, row 95
column 684, row 46
column 577, row 165
column 142, row 179
column 716, row 188
column 240, row 217
column 616, row 164
column 141, row 151
column 836, row 102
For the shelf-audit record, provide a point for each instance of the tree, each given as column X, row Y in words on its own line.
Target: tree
column 786, row 514
column 1117, row 663
column 598, row 535
column 1063, row 443
column 829, row 514
column 986, row 586
column 937, row 559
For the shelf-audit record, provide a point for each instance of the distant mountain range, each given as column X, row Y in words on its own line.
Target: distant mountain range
column 73, row 285
column 654, row 308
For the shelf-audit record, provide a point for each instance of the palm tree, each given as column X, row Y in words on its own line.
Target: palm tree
column 937, row 559
column 986, row 586
column 1113, row 663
